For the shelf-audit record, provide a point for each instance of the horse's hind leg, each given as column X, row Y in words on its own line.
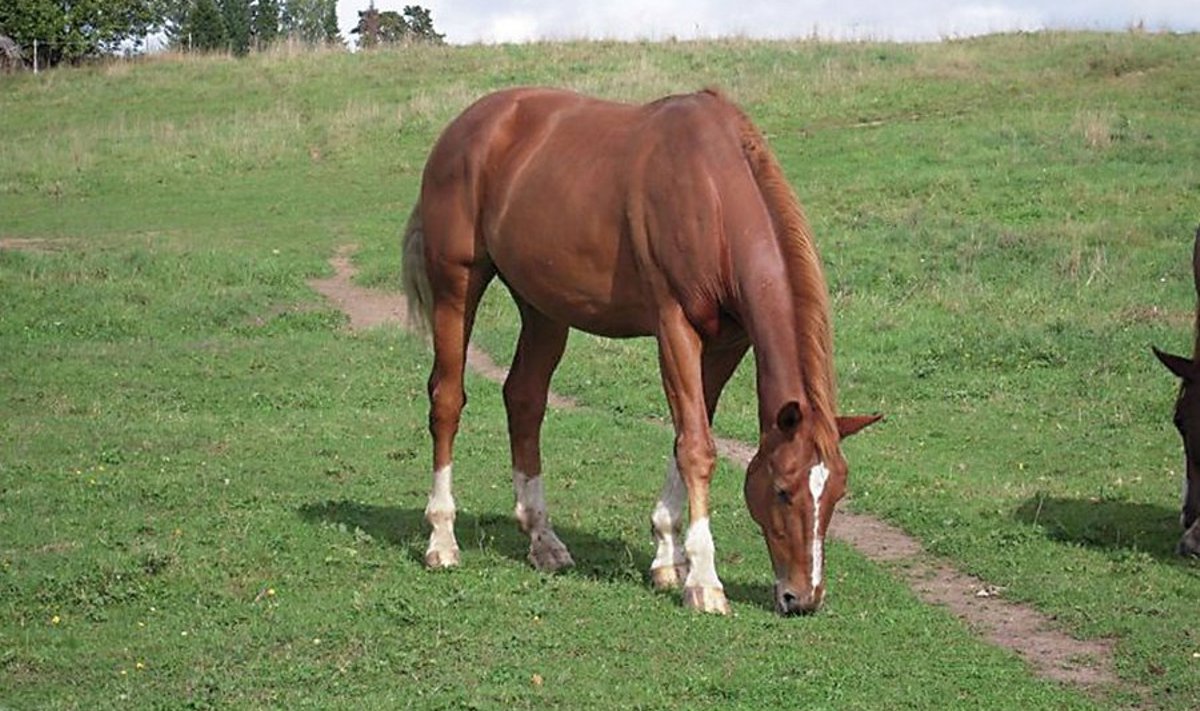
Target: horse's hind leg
column 456, row 296
column 539, row 350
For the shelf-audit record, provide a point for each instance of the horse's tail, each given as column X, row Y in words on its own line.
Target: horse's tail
column 417, row 290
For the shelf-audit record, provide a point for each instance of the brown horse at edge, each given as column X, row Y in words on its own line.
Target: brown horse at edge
column 1187, row 421
column 672, row 220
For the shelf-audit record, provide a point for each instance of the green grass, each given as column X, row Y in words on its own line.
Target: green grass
column 211, row 493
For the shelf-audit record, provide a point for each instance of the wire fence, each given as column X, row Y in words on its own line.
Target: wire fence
column 38, row 54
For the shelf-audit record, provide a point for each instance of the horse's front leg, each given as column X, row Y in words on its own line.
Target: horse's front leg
column 1189, row 545
column 670, row 566
column 679, row 350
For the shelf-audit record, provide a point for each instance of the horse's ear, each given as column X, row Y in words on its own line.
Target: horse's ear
column 788, row 418
column 1180, row 366
column 851, row 424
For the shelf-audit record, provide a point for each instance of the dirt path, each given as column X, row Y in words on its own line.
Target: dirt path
column 1050, row 652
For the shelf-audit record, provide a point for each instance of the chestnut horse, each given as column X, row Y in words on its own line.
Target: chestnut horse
column 1187, row 421
column 670, row 220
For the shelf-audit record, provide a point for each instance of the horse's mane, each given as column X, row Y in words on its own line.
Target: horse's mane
column 810, row 293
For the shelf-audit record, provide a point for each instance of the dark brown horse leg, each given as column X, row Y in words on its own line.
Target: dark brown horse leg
column 1190, row 517
column 670, row 568
column 679, row 350
column 539, row 349
column 454, row 307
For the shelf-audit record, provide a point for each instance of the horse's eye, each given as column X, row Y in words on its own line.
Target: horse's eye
column 783, row 496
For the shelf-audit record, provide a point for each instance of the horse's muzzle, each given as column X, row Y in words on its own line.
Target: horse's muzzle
column 788, row 602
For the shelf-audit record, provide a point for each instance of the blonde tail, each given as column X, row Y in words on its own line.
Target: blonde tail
column 417, row 290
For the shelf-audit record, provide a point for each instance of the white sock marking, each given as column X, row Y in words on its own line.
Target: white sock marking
column 701, row 553
column 667, row 519
column 441, row 501
column 817, row 477
column 531, row 501
column 439, row 512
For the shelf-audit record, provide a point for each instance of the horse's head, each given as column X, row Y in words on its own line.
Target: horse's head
column 791, row 490
column 1187, row 421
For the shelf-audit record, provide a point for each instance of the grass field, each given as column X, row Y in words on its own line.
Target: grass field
column 211, row 491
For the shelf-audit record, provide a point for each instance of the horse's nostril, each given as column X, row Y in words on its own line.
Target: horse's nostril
column 792, row 604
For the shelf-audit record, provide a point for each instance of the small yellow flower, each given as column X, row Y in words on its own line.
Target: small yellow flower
column 270, row 592
column 139, row 665
column 55, row 620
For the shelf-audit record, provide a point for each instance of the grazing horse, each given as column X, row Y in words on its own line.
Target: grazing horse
column 1187, row 421
column 670, row 220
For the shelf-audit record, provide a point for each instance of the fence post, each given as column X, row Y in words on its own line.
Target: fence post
column 35, row 66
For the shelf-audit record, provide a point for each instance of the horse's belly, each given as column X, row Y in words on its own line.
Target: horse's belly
column 595, row 310
column 594, row 290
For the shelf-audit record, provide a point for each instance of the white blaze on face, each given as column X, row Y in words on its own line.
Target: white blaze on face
column 817, row 477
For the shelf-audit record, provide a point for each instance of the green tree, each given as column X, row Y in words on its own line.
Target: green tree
column 420, row 25
column 330, row 24
column 368, row 27
column 390, row 27
column 311, row 21
column 265, row 23
column 71, row 31
column 236, row 14
column 204, row 28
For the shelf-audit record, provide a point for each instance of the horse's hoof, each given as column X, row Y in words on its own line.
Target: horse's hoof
column 1189, row 545
column 706, row 600
column 669, row 577
column 550, row 561
column 436, row 558
column 548, row 554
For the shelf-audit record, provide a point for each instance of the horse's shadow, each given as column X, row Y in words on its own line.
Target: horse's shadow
column 596, row 557
column 1116, row 526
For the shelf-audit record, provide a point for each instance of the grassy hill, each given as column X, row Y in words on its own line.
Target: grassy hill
column 210, row 492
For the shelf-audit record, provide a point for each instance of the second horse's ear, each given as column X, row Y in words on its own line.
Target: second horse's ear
column 1183, row 368
column 851, row 424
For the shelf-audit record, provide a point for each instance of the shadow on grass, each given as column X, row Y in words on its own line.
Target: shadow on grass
column 1118, row 526
column 596, row 557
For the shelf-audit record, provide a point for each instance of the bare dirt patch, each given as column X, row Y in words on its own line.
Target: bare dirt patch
column 1050, row 652
column 37, row 246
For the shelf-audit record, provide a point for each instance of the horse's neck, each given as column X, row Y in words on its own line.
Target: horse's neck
column 769, row 317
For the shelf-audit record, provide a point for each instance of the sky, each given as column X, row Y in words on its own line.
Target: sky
column 502, row 21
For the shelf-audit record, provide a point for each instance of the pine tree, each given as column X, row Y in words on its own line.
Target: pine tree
column 236, row 14
column 265, row 23
column 329, row 24
column 206, row 27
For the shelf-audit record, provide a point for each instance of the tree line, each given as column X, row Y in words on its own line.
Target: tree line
column 81, row 29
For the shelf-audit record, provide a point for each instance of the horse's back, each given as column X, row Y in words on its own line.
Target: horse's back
column 590, row 209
